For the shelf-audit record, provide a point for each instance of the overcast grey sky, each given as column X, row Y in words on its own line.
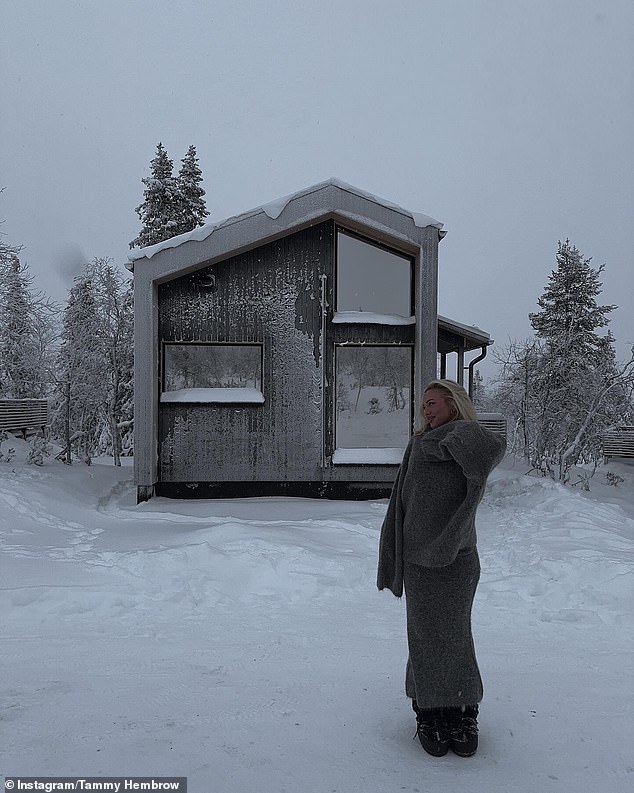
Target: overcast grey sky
column 511, row 121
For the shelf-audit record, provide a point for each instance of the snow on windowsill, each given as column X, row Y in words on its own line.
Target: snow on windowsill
column 385, row 456
column 370, row 318
column 214, row 395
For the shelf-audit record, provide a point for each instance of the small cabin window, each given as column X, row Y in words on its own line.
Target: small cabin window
column 372, row 403
column 372, row 280
column 212, row 373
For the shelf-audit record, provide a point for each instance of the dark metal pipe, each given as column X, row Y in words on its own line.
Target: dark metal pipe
column 480, row 357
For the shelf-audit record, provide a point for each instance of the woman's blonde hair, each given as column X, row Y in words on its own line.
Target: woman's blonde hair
column 456, row 397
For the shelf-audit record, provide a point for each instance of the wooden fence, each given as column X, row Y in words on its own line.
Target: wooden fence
column 619, row 443
column 20, row 415
column 495, row 422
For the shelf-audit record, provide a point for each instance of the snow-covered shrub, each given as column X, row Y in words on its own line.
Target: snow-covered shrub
column 40, row 448
column 374, row 406
column 7, row 454
column 614, row 479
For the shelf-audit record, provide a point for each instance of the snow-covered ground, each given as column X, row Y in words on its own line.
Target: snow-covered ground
column 243, row 643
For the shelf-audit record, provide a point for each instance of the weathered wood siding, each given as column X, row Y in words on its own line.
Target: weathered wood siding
column 274, row 296
column 268, row 296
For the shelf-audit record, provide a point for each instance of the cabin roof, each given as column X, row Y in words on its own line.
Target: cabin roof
column 331, row 198
column 454, row 335
column 307, row 205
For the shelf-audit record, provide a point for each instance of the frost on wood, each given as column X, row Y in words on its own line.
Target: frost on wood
column 274, row 303
column 267, row 299
column 177, row 443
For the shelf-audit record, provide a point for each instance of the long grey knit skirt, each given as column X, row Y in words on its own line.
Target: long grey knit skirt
column 442, row 670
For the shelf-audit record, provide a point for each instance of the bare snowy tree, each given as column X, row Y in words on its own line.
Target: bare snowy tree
column 515, row 393
column 28, row 330
column 95, row 365
column 115, row 314
column 79, row 374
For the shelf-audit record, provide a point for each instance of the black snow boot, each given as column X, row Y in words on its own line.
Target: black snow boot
column 463, row 730
column 431, row 730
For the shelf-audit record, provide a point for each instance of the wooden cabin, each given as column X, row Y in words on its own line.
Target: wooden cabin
column 284, row 350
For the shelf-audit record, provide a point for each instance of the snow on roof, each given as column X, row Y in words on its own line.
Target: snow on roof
column 273, row 210
column 471, row 330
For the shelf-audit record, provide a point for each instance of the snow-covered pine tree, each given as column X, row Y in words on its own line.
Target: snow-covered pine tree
column 159, row 212
column 14, row 312
column 191, row 203
column 27, row 330
column 80, row 373
column 570, row 315
column 578, row 386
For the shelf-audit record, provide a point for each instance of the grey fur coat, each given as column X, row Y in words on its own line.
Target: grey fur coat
column 431, row 514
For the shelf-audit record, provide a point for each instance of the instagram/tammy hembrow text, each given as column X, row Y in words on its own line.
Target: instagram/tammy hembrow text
column 13, row 784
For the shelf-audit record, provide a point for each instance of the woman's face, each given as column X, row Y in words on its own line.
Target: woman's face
column 436, row 409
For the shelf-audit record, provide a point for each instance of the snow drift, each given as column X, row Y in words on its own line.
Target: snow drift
column 243, row 643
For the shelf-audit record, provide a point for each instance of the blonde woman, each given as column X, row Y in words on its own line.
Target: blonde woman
column 428, row 548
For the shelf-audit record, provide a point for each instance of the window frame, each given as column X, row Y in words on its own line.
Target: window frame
column 393, row 454
column 385, row 318
column 235, row 395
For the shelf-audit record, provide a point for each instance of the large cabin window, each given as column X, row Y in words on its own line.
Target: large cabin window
column 373, row 417
column 212, row 373
column 373, row 284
